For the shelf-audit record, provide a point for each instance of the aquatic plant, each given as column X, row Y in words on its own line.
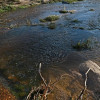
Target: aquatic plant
column 86, row 44
column 63, row 11
column 53, row 1
column 82, row 28
column 20, row 91
column 91, row 9
column 50, row 18
column 23, row 6
column 28, row 22
column 42, row 20
column 64, row 1
column 70, row 1
column 75, row 21
column 82, row 45
column 52, row 26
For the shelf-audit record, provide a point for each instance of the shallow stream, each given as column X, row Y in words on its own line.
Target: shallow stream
column 23, row 46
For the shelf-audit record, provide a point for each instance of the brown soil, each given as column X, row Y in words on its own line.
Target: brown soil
column 5, row 94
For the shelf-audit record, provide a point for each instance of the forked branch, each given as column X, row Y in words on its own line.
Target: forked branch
column 41, row 92
column 80, row 97
column 41, row 75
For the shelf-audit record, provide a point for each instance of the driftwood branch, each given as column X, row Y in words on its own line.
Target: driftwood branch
column 85, row 86
column 29, row 95
column 42, row 91
column 41, row 75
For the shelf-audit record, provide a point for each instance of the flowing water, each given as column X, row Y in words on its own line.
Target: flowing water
column 24, row 46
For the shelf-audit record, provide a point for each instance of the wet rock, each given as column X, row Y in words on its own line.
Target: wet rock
column 93, row 76
column 91, row 9
column 72, row 11
column 76, row 74
column 44, row 1
column 68, row 88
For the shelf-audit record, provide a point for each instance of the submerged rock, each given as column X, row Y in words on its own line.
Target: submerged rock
column 71, row 11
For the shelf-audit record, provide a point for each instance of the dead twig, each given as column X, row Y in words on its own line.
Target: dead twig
column 29, row 95
column 85, row 86
column 41, row 75
column 41, row 92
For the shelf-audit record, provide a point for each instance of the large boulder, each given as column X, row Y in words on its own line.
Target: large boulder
column 93, row 81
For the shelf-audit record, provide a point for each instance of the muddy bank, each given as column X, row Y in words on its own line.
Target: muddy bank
column 5, row 94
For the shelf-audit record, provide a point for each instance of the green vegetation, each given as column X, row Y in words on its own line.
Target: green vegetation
column 87, row 44
column 76, row 21
column 66, row 1
column 81, row 45
column 6, row 8
column 24, row 6
column 52, row 26
column 50, row 18
column 82, row 28
column 28, row 22
column 63, row 11
column 91, row 10
column 53, row 1
column 42, row 20
column 20, row 91
column 1, row 10
column 9, row 6
column 71, row 1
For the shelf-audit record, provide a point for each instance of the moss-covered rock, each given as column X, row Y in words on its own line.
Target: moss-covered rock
column 63, row 11
column 52, row 26
column 50, row 18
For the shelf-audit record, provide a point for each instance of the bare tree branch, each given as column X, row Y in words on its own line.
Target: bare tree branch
column 41, row 75
column 29, row 95
column 43, row 90
column 85, row 86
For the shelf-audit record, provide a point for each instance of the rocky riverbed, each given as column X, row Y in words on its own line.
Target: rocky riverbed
column 25, row 42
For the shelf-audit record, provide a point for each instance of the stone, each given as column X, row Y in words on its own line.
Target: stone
column 93, row 81
column 24, row 1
